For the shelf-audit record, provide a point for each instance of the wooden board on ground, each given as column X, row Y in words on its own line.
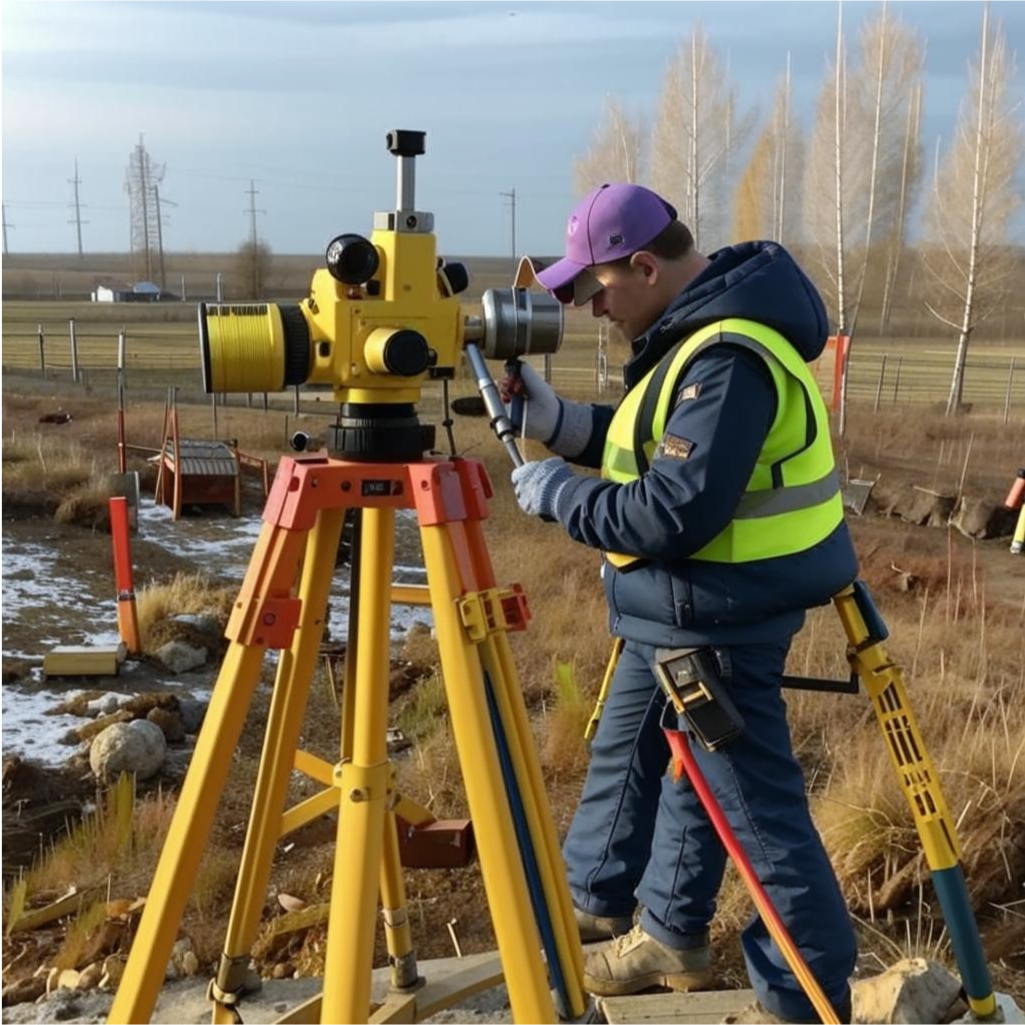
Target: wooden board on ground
column 73, row 661
column 675, row 1008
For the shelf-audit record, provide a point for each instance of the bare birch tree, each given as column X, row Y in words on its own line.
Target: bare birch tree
column 910, row 178
column 975, row 195
column 887, row 81
column 859, row 142
column 615, row 154
column 697, row 131
column 766, row 203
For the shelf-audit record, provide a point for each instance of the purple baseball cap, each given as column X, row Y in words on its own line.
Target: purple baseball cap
column 612, row 222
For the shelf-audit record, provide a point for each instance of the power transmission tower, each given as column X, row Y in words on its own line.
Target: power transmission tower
column 78, row 222
column 511, row 196
column 6, row 226
column 141, row 181
column 157, row 201
column 254, row 246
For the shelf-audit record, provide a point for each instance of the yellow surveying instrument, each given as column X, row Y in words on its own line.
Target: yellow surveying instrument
column 382, row 319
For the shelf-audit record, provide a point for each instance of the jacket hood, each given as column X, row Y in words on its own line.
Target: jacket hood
column 757, row 281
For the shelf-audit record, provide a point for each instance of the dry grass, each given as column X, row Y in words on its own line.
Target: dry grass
column 185, row 594
column 43, row 473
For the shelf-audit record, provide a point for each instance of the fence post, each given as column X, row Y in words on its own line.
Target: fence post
column 265, row 402
column 296, row 407
column 74, row 350
column 121, row 353
column 1007, row 396
column 879, row 386
column 213, row 409
column 42, row 354
column 896, row 380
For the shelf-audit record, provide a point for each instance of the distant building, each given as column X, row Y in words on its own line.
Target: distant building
column 118, row 292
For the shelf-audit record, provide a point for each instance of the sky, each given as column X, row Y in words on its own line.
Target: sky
column 298, row 97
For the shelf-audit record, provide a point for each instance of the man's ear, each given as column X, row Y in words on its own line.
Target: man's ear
column 647, row 264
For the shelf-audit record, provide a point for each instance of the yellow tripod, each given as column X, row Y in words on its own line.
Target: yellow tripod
column 520, row 859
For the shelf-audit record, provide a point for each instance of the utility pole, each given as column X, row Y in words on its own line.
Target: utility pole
column 6, row 226
column 511, row 196
column 76, row 181
column 160, row 233
column 252, row 193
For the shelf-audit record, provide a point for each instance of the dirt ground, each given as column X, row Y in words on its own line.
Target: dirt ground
column 435, row 899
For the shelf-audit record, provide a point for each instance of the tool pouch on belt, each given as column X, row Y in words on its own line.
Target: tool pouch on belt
column 693, row 681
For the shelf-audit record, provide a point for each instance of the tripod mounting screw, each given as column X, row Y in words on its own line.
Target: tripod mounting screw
column 357, row 795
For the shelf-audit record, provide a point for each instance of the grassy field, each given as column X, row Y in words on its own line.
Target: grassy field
column 161, row 345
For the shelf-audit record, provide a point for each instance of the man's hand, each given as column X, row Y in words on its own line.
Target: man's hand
column 542, row 412
column 537, row 486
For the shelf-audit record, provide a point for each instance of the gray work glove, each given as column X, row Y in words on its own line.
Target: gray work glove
column 563, row 426
column 537, row 486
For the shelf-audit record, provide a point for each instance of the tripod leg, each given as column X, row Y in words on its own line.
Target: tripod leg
column 284, row 724
column 364, row 784
column 884, row 681
column 256, row 622
column 498, row 663
column 401, row 954
column 504, row 879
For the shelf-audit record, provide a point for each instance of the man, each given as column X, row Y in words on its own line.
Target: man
column 718, row 480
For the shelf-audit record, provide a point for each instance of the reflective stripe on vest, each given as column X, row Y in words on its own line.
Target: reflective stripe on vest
column 792, row 501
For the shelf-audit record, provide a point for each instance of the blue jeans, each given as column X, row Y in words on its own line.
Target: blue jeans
column 639, row 837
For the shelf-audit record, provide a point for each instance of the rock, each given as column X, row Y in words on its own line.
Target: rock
column 15, row 669
column 979, row 518
column 77, row 705
column 177, row 966
column 140, row 705
column 91, row 729
column 169, row 722
column 89, row 977
column 205, row 622
column 913, row 990
column 192, row 711
column 106, row 705
column 190, row 963
column 923, row 507
column 24, row 990
column 281, row 971
column 113, row 969
column 68, row 979
column 179, row 657
column 138, row 747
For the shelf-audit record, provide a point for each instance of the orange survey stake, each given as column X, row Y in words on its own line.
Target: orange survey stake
column 127, row 620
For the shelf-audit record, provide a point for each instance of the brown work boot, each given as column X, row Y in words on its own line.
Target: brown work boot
column 637, row 961
column 595, row 928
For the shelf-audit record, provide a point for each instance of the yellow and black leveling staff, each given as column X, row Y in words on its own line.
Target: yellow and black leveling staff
column 382, row 319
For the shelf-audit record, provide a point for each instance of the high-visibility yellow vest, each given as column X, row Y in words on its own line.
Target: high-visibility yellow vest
column 792, row 501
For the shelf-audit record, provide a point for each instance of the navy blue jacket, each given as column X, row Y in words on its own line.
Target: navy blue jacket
column 679, row 505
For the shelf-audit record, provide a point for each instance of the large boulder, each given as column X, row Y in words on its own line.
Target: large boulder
column 913, row 990
column 980, row 518
column 179, row 657
column 138, row 747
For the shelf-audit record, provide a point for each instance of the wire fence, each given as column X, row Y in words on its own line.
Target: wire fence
column 162, row 354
